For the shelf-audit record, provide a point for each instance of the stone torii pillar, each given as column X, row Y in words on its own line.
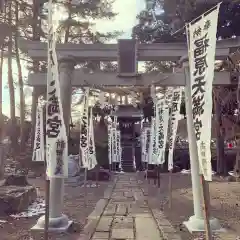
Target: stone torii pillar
column 58, row 222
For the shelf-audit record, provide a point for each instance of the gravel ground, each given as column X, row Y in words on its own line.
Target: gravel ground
column 225, row 203
column 19, row 229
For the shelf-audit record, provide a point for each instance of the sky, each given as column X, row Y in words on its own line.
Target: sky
column 124, row 21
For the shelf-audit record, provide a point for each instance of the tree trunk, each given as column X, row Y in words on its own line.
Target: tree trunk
column 2, row 155
column 237, row 163
column 36, row 25
column 67, row 33
column 14, row 140
column 1, row 113
column 2, row 124
column 20, row 83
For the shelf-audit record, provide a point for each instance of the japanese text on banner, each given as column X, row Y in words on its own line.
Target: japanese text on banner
column 84, row 131
column 38, row 151
column 175, row 116
column 202, row 47
column 56, row 136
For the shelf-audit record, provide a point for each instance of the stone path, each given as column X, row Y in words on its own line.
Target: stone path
column 124, row 214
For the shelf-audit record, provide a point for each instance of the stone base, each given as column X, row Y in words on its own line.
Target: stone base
column 198, row 225
column 14, row 199
column 16, row 180
column 59, row 225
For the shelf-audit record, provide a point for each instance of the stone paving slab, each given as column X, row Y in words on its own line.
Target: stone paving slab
column 146, row 228
column 124, row 214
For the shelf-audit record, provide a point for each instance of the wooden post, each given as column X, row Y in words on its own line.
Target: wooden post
column 47, row 197
column 158, row 175
column 97, row 174
column 206, row 204
column 170, row 189
column 155, row 174
column 147, row 174
column 85, row 187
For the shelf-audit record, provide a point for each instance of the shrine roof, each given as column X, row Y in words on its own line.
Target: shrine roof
column 128, row 111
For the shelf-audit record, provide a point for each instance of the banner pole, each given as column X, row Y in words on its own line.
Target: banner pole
column 85, row 187
column 158, row 175
column 206, row 203
column 155, row 175
column 170, row 189
column 147, row 172
column 97, row 174
column 47, row 197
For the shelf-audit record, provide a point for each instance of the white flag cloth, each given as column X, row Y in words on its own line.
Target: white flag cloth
column 143, row 144
column 114, row 144
column 152, row 155
column 38, row 151
column 202, row 47
column 153, row 93
column 118, row 146
column 102, row 100
column 84, row 130
column 110, row 142
column 56, row 136
column 92, row 159
column 134, row 98
column 114, row 140
column 175, row 117
column 147, row 143
column 162, row 114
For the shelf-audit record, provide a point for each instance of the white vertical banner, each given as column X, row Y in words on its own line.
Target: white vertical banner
column 143, row 143
column 114, row 140
column 153, row 93
column 56, row 135
column 134, row 97
column 110, row 142
column 84, row 130
column 92, row 159
column 38, row 151
column 147, row 143
column 162, row 112
column 201, row 49
column 114, row 143
column 151, row 155
column 155, row 147
column 102, row 100
column 118, row 146
column 175, row 117
column 120, row 150
column 115, row 121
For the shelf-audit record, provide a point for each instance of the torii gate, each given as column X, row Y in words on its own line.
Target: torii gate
column 125, row 52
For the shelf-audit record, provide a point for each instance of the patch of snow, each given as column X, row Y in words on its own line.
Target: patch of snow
column 90, row 185
column 188, row 171
column 2, row 222
column 232, row 173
